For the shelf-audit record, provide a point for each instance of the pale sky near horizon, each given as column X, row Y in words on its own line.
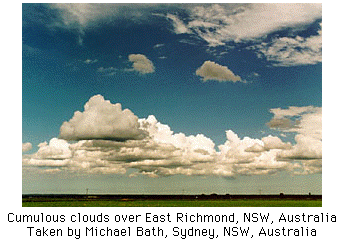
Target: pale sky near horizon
column 172, row 98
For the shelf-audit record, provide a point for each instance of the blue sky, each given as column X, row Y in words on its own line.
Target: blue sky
column 221, row 98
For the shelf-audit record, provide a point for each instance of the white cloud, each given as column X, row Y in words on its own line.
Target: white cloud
column 213, row 71
column 102, row 120
column 273, row 142
column 159, row 45
column 218, row 24
column 234, row 149
column 141, row 63
column 268, row 143
column 221, row 23
column 257, row 147
column 303, row 120
column 110, row 140
column 50, row 156
column 90, row 61
column 26, row 147
column 107, row 71
column 287, row 51
column 179, row 26
column 162, row 134
column 306, row 148
column 56, row 149
column 307, row 123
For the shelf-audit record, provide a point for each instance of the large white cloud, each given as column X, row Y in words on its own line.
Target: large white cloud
column 141, row 63
column 221, row 23
column 213, row 71
column 102, row 120
column 155, row 150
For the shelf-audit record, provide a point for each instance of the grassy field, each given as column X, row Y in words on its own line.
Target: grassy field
column 177, row 203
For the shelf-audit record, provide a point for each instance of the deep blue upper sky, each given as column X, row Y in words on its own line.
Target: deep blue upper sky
column 55, row 76
column 71, row 53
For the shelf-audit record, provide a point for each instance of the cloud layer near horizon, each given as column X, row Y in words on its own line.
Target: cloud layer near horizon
column 106, row 139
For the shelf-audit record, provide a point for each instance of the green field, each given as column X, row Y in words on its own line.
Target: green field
column 176, row 203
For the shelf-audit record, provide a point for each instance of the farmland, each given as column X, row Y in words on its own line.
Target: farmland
column 172, row 200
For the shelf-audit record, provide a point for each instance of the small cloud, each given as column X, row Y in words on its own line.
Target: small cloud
column 107, row 71
column 90, row 61
column 26, row 147
column 188, row 41
column 213, row 71
column 141, row 63
column 281, row 123
column 158, row 45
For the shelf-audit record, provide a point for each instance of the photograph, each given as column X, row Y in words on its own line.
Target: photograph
column 171, row 105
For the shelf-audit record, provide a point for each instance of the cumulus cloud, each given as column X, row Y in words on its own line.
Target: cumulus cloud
column 234, row 149
column 268, row 143
column 303, row 120
column 273, row 142
column 306, row 148
column 141, row 63
column 26, row 146
column 52, row 155
column 306, row 122
column 108, row 140
column 102, row 120
column 213, row 71
column 56, row 149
